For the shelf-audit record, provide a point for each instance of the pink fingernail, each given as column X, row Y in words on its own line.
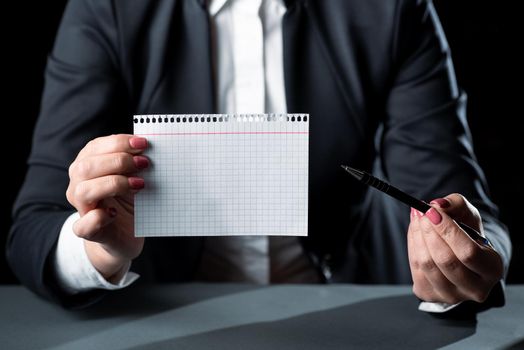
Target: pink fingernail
column 434, row 216
column 136, row 183
column 441, row 202
column 138, row 142
column 141, row 162
column 111, row 212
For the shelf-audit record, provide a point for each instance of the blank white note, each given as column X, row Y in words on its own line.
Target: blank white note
column 217, row 175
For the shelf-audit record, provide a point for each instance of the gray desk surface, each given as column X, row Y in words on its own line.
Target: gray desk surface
column 231, row 316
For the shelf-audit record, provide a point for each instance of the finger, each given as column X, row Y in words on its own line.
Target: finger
column 113, row 144
column 415, row 251
column 421, row 286
column 423, row 264
column 460, row 209
column 91, row 224
column 470, row 253
column 468, row 283
column 106, row 164
column 88, row 193
column 413, row 230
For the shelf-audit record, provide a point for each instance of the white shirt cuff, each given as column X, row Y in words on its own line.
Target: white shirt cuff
column 74, row 270
column 438, row 308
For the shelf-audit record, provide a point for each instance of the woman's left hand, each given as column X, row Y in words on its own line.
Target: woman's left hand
column 446, row 264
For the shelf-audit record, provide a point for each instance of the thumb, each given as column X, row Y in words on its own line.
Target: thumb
column 460, row 209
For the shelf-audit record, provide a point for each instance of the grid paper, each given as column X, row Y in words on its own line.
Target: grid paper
column 218, row 175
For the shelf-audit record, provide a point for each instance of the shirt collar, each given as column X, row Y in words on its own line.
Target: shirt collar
column 215, row 6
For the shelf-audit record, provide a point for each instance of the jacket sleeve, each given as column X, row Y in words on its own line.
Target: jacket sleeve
column 426, row 145
column 82, row 100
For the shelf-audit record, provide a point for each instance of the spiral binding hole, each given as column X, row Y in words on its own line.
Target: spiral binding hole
column 221, row 118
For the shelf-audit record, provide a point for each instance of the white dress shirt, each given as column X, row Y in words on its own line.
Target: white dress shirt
column 248, row 57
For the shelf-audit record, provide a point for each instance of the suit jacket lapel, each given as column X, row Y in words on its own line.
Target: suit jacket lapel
column 337, row 132
column 186, row 82
column 183, row 84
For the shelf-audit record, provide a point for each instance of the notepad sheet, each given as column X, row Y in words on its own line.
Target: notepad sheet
column 218, row 175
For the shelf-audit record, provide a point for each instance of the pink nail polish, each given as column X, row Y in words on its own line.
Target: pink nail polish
column 136, row 183
column 441, row 202
column 138, row 142
column 141, row 162
column 434, row 216
column 111, row 212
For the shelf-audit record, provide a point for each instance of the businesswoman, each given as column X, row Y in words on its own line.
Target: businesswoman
column 377, row 80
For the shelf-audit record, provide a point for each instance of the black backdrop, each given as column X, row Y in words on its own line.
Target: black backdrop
column 484, row 37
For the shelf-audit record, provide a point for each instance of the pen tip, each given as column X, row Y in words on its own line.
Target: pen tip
column 355, row 172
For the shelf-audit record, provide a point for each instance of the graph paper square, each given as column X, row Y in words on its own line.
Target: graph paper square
column 224, row 175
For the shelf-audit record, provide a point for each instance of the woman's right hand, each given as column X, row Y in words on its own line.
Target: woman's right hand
column 102, row 184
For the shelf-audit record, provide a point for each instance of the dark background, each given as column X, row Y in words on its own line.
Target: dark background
column 484, row 37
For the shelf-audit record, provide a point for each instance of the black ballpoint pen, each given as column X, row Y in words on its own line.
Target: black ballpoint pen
column 405, row 198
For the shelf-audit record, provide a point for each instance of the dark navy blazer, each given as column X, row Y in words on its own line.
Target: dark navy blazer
column 375, row 76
